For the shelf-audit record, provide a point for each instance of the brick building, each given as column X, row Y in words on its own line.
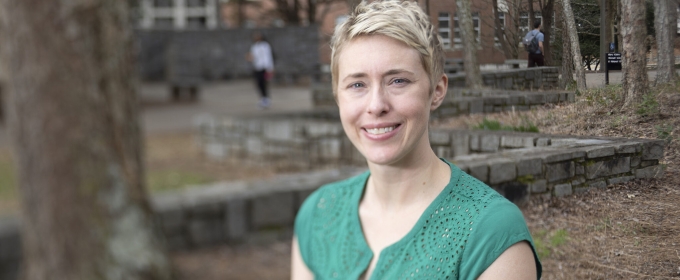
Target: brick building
column 213, row 14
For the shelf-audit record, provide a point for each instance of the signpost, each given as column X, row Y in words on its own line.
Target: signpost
column 613, row 62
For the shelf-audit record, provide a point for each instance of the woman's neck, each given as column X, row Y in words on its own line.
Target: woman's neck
column 413, row 181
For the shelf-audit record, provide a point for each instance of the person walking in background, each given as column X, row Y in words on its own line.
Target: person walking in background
column 535, row 45
column 261, row 57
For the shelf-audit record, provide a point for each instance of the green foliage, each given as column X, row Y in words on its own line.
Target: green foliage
column 546, row 242
column 664, row 132
column 494, row 125
column 649, row 106
column 164, row 180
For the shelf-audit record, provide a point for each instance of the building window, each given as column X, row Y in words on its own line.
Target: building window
column 444, row 20
column 457, row 41
column 178, row 14
column 501, row 18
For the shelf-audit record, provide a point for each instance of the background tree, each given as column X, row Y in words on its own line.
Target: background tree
column 563, row 47
column 547, row 20
column 73, row 122
column 634, row 59
column 473, row 77
column 586, row 18
column 665, row 25
column 574, row 45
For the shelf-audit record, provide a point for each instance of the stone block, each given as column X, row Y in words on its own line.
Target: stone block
column 543, row 142
column 237, row 219
column 580, row 170
column 254, row 146
column 563, row 156
column 538, row 186
column 596, row 152
column 322, row 129
column 215, row 151
column 529, row 166
column 646, row 163
column 652, row 150
column 464, row 106
column 489, row 143
column 496, row 100
column 516, row 100
column 279, row 130
column 502, row 170
column 479, row 171
column 559, row 171
column 171, row 220
column 655, row 171
column 176, row 242
column 447, row 112
column 552, row 97
column 608, row 167
column 300, row 197
column 535, row 99
column 488, row 108
column 206, row 231
column 476, row 106
column 10, row 240
column 460, row 144
column 562, row 190
column 474, row 142
column 571, row 97
column 329, row 149
column 442, row 152
column 439, row 137
column 578, row 180
column 635, row 161
column 512, row 141
column 626, row 148
column 273, row 210
column 600, row 184
column 617, row 180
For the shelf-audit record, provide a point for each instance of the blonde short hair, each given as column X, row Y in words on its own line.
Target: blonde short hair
column 403, row 21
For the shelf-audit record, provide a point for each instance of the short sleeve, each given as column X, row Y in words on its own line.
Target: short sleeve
column 541, row 37
column 501, row 226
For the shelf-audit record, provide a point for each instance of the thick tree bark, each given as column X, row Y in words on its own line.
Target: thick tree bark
column 634, row 59
column 473, row 77
column 665, row 25
column 567, row 68
column 574, row 46
column 73, row 121
column 547, row 23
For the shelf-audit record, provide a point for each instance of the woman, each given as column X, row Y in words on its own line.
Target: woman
column 412, row 215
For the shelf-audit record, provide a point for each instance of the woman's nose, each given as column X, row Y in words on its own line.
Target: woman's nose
column 379, row 101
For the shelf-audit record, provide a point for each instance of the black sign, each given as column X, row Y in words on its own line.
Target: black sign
column 613, row 61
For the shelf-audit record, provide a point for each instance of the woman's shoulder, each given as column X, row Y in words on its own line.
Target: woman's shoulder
column 332, row 195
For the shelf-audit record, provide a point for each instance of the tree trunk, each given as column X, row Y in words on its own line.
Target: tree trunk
column 73, row 122
column 574, row 45
column 532, row 15
column 473, row 77
column 665, row 25
column 634, row 59
column 499, row 31
column 547, row 23
column 567, row 68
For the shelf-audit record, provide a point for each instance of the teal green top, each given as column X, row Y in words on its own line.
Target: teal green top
column 458, row 236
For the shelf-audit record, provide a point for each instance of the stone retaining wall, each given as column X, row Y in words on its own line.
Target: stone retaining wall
column 227, row 212
column 521, row 164
column 304, row 141
column 526, row 79
column 465, row 101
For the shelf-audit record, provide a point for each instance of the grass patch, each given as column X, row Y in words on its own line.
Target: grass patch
column 525, row 126
column 167, row 180
column 664, row 132
column 547, row 242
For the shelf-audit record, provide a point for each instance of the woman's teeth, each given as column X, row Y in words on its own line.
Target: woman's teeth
column 380, row 130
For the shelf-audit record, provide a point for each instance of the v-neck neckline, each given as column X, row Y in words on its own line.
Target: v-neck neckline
column 356, row 221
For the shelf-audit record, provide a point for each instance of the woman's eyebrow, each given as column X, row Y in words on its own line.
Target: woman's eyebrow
column 397, row 71
column 354, row 75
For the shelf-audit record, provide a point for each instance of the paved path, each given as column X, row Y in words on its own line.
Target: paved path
column 229, row 98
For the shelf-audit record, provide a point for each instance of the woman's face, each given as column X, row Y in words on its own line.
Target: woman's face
column 384, row 97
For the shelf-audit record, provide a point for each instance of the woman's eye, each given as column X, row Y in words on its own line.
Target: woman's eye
column 400, row 81
column 356, row 85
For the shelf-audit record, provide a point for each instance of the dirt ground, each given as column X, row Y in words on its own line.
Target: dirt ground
column 626, row 231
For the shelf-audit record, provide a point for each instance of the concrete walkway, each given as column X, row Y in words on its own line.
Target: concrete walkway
column 229, row 98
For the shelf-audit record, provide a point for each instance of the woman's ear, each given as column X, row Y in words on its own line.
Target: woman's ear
column 439, row 92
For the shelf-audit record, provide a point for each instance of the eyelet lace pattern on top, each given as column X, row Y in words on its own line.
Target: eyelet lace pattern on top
column 433, row 249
